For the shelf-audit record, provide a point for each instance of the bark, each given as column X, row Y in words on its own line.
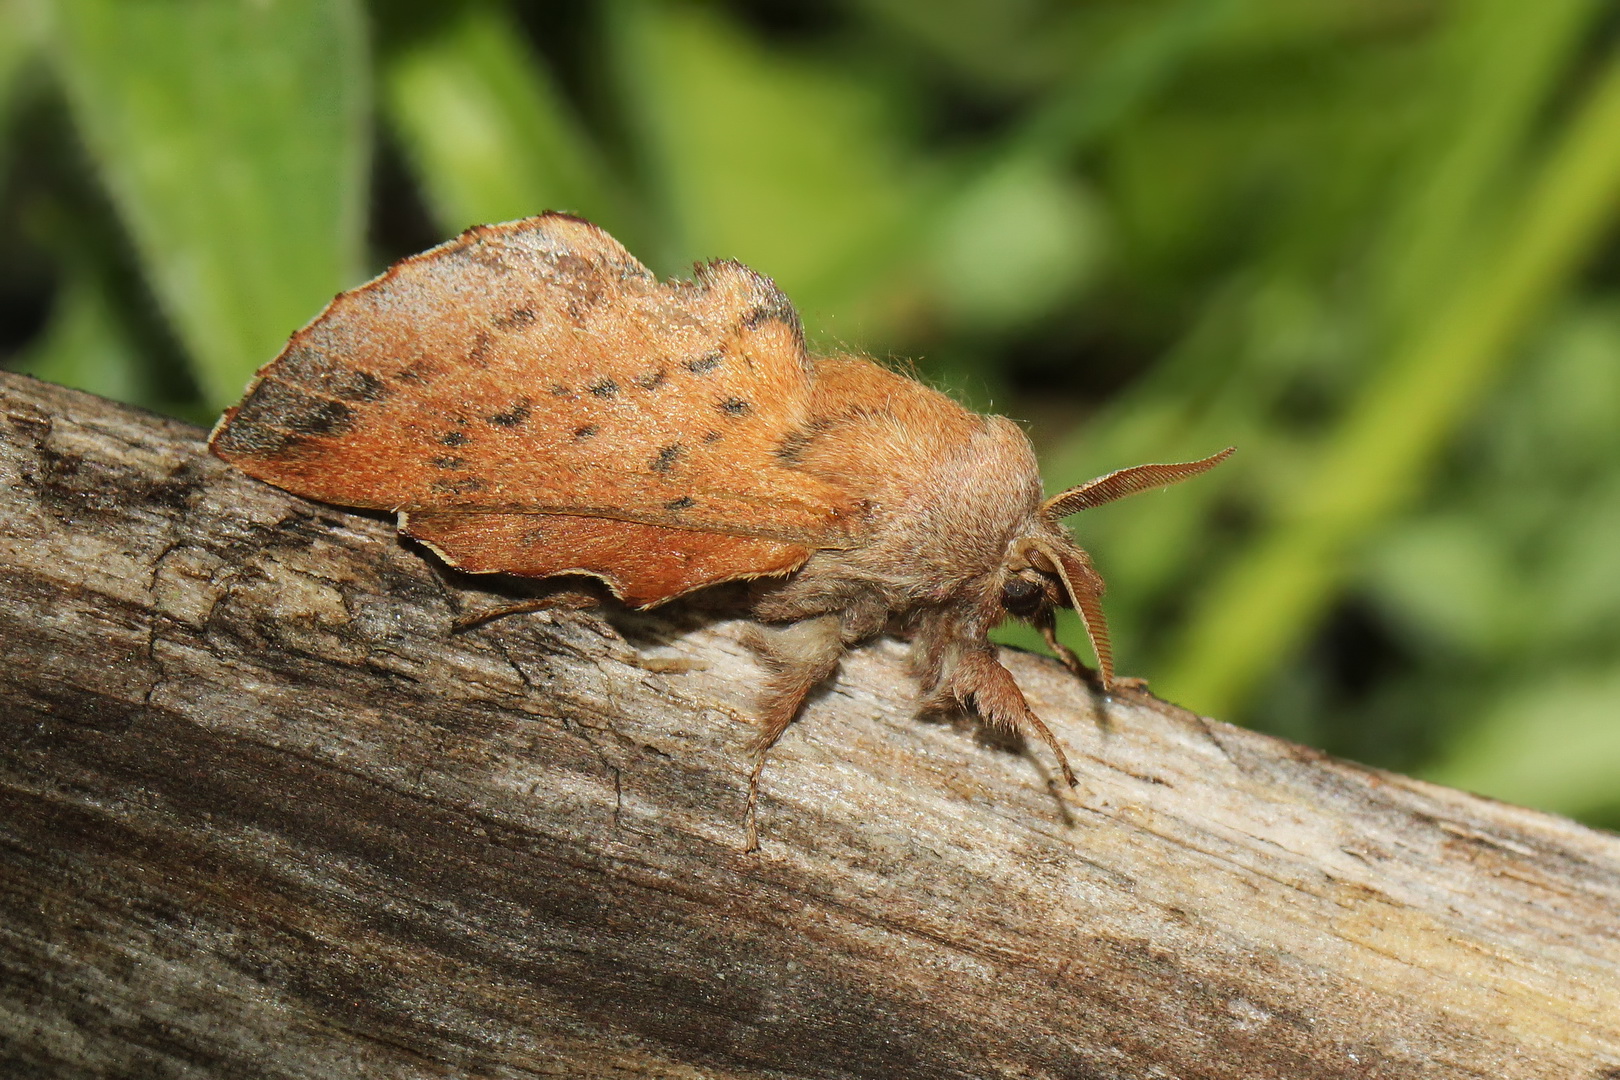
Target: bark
column 264, row 815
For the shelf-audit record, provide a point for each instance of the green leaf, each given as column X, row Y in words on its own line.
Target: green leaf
column 19, row 39
column 787, row 162
column 490, row 136
column 1553, row 745
column 1494, row 70
column 1450, row 584
column 232, row 136
column 1016, row 243
column 86, row 345
column 1376, row 460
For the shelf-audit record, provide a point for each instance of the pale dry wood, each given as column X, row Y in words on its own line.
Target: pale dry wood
column 263, row 816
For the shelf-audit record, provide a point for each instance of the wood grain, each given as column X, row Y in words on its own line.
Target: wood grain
column 264, row 816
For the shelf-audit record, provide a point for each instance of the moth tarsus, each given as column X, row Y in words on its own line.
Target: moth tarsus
column 561, row 598
column 666, row 438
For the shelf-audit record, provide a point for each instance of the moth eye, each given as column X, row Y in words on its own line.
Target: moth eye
column 1021, row 597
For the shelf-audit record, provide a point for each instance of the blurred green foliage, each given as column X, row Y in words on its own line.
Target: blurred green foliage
column 1370, row 242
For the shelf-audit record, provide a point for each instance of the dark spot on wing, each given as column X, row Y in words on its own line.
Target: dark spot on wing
column 480, row 348
column 711, row 436
column 734, row 406
column 365, row 387
column 559, row 390
column 685, row 502
column 515, row 319
column 514, row 416
column 306, row 366
column 652, row 380
column 326, row 418
column 245, row 438
column 793, row 446
column 464, row 486
column 777, row 309
column 665, row 460
column 277, row 406
column 567, row 264
column 704, row 364
column 319, row 373
column 474, row 249
column 454, row 438
column 449, row 463
column 586, row 432
column 604, row 388
column 583, row 281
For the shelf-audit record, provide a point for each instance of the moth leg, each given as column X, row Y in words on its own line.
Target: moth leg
column 1047, row 624
column 980, row 682
column 562, row 599
column 798, row 657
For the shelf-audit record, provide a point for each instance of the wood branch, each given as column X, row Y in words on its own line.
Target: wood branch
column 265, row 816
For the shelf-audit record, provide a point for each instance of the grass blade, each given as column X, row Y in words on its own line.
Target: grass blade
column 233, row 139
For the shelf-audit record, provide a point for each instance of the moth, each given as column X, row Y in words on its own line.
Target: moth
column 530, row 400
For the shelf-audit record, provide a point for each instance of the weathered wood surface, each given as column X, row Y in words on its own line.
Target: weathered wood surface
column 263, row 816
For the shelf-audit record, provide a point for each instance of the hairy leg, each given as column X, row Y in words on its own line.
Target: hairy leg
column 798, row 657
column 979, row 682
column 559, row 599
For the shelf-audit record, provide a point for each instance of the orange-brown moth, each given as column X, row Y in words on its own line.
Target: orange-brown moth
column 529, row 399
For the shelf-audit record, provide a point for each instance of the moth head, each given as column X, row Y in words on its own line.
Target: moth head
column 1047, row 569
